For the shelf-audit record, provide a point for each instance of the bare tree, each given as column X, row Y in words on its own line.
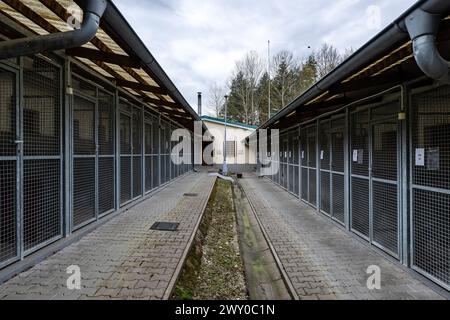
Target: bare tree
column 327, row 59
column 251, row 68
column 285, row 68
column 216, row 98
column 347, row 53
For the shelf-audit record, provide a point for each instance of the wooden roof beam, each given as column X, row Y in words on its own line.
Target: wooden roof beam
column 392, row 77
column 138, row 86
column 109, row 57
column 161, row 102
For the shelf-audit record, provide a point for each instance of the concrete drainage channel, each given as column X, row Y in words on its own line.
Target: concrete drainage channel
column 230, row 258
column 264, row 279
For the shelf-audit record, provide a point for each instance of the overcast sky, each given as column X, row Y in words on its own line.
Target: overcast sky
column 198, row 41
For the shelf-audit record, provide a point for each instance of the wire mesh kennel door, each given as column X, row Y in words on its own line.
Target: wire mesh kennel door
column 374, row 182
column 137, row 151
column 360, row 173
column 42, row 153
column 430, row 184
column 148, row 145
column 337, row 175
column 125, row 154
column 284, row 157
column 325, row 164
column 8, row 167
column 384, row 186
column 84, row 146
column 30, row 159
column 312, row 164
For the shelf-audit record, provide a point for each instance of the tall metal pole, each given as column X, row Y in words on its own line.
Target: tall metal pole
column 224, row 167
column 253, row 108
column 268, row 72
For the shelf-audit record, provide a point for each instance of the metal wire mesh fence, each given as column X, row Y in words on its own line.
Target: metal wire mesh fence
column 125, row 154
column 431, row 184
column 8, row 167
column 42, row 167
column 84, row 142
column 106, row 157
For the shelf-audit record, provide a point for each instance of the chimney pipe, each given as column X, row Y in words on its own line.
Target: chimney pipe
column 199, row 95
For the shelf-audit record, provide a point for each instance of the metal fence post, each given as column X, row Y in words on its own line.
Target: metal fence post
column 404, row 164
column 19, row 165
column 96, row 125
column 143, row 169
column 318, row 202
column 68, row 147
column 347, row 169
column 117, row 147
column 159, row 149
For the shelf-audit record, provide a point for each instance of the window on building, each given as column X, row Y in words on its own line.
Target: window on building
column 231, row 148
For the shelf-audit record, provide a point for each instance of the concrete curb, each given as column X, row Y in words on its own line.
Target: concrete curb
column 170, row 288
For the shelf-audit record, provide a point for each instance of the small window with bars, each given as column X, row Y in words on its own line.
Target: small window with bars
column 230, row 148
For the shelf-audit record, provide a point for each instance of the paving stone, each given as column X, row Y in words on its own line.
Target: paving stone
column 123, row 258
column 321, row 260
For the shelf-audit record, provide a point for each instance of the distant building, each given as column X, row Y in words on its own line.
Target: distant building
column 239, row 157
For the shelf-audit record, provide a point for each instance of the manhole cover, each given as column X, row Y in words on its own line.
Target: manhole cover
column 191, row 194
column 165, row 226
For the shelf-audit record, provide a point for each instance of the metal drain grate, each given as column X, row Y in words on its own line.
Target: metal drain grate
column 165, row 226
column 190, row 194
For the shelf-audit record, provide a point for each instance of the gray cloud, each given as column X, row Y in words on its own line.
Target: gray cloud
column 197, row 42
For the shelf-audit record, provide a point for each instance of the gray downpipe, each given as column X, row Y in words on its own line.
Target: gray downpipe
column 423, row 26
column 92, row 12
column 394, row 33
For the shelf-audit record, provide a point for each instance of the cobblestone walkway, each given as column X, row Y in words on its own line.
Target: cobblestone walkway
column 321, row 260
column 123, row 259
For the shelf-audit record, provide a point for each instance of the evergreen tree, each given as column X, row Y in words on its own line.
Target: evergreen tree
column 262, row 94
column 307, row 74
column 249, row 86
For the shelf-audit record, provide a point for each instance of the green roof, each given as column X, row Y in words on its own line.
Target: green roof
column 229, row 122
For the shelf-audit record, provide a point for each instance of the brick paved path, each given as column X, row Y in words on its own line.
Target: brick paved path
column 321, row 260
column 123, row 259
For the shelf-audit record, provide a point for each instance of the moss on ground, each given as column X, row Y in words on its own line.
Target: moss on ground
column 214, row 269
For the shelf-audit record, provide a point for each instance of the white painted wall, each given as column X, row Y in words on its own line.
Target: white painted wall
column 243, row 155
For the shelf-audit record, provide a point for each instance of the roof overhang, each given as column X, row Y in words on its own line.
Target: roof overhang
column 116, row 52
column 386, row 61
column 229, row 123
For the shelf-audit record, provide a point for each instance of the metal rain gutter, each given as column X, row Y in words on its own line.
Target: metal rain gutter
column 92, row 12
column 423, row 27
column 116, row 20
column 392, row 34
